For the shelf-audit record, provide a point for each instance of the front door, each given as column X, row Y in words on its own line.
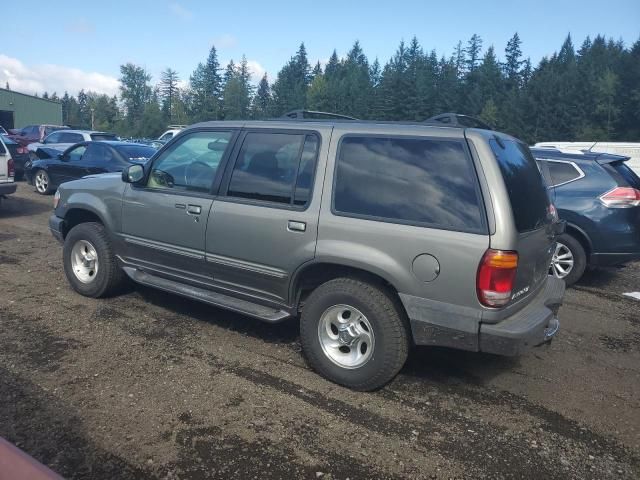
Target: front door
column 164, row 220
column 70, row 166
column 265, row 224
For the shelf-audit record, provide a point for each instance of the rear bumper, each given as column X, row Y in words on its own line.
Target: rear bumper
column 56, row 227
column 609, row 259
column 8, row 188
column 534, row 325
column 434, row 323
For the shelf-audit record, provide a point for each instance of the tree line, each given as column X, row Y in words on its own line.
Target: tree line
column 592, row 93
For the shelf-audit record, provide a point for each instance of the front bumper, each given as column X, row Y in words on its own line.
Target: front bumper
column 8, row 188
column 56, row 227
column 437, row 324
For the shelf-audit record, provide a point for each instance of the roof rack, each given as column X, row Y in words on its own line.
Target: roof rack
column 458, row 120
column 311, row 114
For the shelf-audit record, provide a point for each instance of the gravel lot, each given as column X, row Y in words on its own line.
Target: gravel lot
column 148, row 385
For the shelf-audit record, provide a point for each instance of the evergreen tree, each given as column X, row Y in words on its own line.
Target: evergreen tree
column 135, row 93
column 168, row 89
column 290, row 87
column 473, row 51
column 513, row 62
column 262, row 101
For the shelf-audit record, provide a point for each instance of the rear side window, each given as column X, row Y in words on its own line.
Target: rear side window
column 562, row 172
column 527, row 193
column 275, row 167
column 408, row 180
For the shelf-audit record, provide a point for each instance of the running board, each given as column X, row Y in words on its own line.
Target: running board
column 245, row 307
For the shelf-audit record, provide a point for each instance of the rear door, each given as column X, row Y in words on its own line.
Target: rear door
column 264, row 226
column 530, row 204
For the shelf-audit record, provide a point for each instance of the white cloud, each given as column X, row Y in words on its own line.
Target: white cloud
column 53, row 78
column 180, row 11
column 226, row 40
column 257, row 70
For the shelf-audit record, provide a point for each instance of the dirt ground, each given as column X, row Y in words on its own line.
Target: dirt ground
column 149, row 385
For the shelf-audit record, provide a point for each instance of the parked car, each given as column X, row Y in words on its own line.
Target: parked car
column 598, row 195
column 19, row 155
column 63, row 139
column 172, row 131
column 376, row 235
column 7, row 170
column 33, row 133
column 626, row 149
column 85, row 158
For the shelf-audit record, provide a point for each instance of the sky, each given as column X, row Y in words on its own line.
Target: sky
column 81, row 44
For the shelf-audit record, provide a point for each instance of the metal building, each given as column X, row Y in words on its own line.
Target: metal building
column 18, row 110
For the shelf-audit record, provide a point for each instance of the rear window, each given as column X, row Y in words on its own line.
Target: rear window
column 101, row 137
column 622, row 172
column 136, row 152
column 428, row 182
column 527, row 193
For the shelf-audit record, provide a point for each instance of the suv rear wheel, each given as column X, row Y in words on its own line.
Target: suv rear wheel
column 89, row 262
column 354, row 333
column 569, row 259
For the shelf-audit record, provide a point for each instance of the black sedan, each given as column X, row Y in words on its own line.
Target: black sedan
column 85, row 158
column 19, row 154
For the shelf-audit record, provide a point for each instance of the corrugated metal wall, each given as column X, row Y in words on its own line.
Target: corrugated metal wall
column 29, row 110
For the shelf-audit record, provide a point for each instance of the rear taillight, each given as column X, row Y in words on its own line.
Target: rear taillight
column 11, row 168
column 22, row 150
column 496, row 275
column 553, row 212
column 621, row 197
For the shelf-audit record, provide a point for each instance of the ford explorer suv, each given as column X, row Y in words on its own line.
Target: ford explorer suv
column 375, row 236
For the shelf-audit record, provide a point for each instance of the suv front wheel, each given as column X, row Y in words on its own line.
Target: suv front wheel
column 89, row 262
column 354, row 333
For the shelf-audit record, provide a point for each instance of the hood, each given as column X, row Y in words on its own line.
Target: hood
column 117, row 175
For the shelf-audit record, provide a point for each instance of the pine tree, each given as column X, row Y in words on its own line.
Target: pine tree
column 473, row 51
column 513, row 62
column 168, row 89
column 262, row 101
column 290, row 87
column 135, row 93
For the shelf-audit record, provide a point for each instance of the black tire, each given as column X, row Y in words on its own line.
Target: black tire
column 109, row 278
column 388, row 322
column 579, row 258
column 49, row 189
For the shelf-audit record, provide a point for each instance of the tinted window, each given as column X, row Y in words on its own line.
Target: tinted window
column 623, row 175
column 306, row 170
column 191, row 163
column 97, row 154
column 3, row 150
column 103, row 137
column 406, row 180
column 71, row 138
column 76, row 154
column 527, row 193
column 269, row 164
column 562, row 172
column 136, row 152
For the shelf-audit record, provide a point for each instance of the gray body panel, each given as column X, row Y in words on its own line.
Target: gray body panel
column 245, row 250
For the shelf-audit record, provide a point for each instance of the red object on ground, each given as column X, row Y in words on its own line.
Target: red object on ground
column 17, row 465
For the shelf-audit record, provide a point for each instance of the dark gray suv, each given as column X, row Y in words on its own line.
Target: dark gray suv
column 375, row 235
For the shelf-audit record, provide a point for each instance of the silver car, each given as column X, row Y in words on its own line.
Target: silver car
column 63, row 139
column 375, row 236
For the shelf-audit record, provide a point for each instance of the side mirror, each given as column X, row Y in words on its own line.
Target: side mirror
column 132, row 174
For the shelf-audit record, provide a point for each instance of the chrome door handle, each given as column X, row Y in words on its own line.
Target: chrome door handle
column 294, row 226
column 194, row 209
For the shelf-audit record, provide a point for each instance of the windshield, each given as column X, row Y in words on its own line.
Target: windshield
column 136, row 152
column 7, row 140
column 527, row 192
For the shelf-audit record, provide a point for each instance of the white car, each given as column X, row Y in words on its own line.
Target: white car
column 7, row 171
column 63, row 139
column 172, row 132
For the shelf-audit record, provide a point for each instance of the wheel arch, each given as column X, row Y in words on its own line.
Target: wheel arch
column 77, row 215
column 581, row 236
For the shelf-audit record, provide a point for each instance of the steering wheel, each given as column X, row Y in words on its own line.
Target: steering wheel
column 187, row 172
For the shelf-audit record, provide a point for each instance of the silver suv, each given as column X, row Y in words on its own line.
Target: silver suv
column 377, row 236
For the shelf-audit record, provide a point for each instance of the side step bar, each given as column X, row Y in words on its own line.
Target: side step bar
column 245, row 307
